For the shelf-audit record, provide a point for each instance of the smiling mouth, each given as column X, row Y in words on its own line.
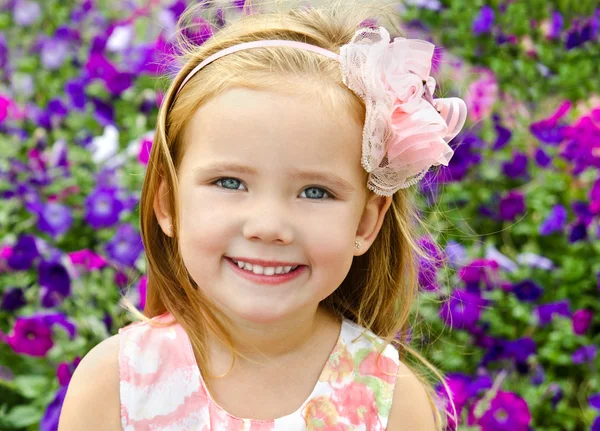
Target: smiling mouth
column 271, row 270
column 266, row 279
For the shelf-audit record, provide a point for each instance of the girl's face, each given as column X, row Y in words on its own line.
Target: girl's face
column 273, row 177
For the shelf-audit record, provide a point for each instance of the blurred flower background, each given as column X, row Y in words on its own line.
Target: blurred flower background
column 509, row 306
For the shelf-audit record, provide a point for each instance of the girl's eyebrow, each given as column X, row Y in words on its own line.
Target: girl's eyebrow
column 335, row 180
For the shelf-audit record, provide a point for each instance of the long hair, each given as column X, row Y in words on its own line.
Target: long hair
column 381, row 286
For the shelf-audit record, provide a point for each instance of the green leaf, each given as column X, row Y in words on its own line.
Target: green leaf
column 31, row 386
column 22, row 416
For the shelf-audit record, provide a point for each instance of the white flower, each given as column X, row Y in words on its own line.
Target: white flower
column 492, row 253
column 105, row 146
column 535, row 261
column 120, row 38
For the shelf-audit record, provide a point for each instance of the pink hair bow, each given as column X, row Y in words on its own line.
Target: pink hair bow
column 406, row 131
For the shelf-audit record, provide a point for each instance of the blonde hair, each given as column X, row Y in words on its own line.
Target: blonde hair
column 381, row 286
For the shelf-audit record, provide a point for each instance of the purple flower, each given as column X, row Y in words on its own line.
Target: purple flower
column 557, row 25
column 55, row 282
column 466, row 153
column 126, row 246
column 55, row 219
column 582, row 146
column 428, row 268
column 527, row 291
column 142, row 291
column 220, row 17
column 462, row 310
column 104, row 112
column 541, row 158
column 457, row 253
column 478, row 271
column 507, row 412
column 201, row 33
column 556, row 393
column 596, row 424
column 519, row 349
column 99, row 67
column 3, row 51
column 75, row 89
column 584, row 354
column 582, row 211
column 57, row 108
column 581, row 33
column 118, row 82
column 103, row 208
column 548, row 130
column 39, row 116
column 26, row 13
column 23, row 253
column 512, row 205
column 582, row 320
column 54, row 53
column 459, row 393
column 13, row 299
column 49, row 421
column 52, row 319
column 539, row 376
column 594, row 401
column 484, row 20
column 30, row 337
column 546, row 312
column 480, row 384
column 517, row 167
column 503, row 136
column 555, row 220
column 65, row 371
column 177, row 8
column 578, row 232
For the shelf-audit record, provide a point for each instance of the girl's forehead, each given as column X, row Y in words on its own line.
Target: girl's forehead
column 294, row 130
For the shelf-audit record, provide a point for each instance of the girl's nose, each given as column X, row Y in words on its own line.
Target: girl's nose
column 269, row 221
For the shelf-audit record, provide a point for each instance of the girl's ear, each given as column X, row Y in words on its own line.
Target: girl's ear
column 371, row 221
column 161, row 208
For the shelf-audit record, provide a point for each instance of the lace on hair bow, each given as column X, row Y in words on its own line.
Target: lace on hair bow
column 406, row 131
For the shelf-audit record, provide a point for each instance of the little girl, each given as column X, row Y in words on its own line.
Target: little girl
column 277, row 224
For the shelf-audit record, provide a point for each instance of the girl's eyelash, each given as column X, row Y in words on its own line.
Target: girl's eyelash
column 330, row 194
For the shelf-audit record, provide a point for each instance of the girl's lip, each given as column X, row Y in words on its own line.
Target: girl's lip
column 267, row 279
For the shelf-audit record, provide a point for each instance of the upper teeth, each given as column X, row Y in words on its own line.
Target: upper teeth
column 264, row 270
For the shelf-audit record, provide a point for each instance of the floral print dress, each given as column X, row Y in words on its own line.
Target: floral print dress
column 161, row 387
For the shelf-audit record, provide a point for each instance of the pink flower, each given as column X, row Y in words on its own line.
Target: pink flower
column 582, row 320
column 356, row 402
column 145, row 148
column 4, row 104
column 88, row 259
column 481, row 96
column 385, row 369
column 142, row 291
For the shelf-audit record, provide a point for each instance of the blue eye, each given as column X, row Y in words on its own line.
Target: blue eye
column 229, row 181
column 317, row 192
column 314, row 193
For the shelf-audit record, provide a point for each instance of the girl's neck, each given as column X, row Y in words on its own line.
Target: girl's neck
column 279, row 341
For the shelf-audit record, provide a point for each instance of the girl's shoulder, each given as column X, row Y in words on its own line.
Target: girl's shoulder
column 94, row 388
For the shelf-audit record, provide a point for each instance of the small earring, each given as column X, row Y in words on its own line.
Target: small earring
column 357, row 244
